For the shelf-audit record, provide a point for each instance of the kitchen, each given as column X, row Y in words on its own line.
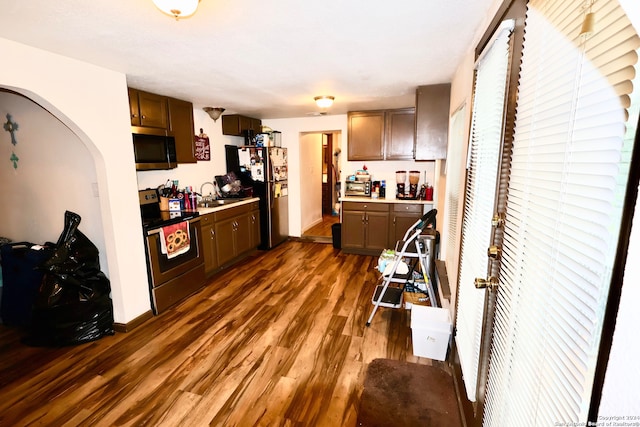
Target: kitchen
column 71, row 86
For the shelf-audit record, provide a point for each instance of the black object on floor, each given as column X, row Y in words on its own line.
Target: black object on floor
column 73, row 305
column 336, row 234
column 407, row 394
column 21, row 279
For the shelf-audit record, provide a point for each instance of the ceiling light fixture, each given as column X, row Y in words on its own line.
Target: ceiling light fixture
column 214, row 113
column 177, row 8
column 324, row 101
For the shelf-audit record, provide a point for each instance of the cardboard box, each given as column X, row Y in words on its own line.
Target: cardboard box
column 430, row 331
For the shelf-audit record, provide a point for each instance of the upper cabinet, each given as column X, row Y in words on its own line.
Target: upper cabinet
column 182, row 127
column 174, row 115
column 432, row 121
column 148, row 109
column 381, row 134
column 400, row 127
column 237, row 125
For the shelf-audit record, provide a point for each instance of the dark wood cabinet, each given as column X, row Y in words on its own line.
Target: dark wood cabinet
column 254, row 224
column 148, row 109
column 365, row 135
column 400, row 131
column 209, row 244
column 237, row 232
column 175, row 115
column 365, row 227
column 381, row 134
column 182, row 127
column 237, row 125
column 432, row 121
column 403, row 216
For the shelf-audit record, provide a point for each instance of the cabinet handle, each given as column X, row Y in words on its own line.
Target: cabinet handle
column 144, row 117
column 213, row 233
column 134, row 115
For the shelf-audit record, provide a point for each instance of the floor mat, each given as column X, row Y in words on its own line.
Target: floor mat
column 407, row 394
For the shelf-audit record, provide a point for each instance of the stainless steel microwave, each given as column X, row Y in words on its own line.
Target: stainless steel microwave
column 358, row 188
column 154, row 148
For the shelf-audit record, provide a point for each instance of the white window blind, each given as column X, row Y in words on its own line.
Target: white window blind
column 483, row 161
column 454, row 167
column 562, row 213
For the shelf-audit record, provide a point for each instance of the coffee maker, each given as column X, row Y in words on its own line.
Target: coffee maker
column 401, row 176
column 414, row 178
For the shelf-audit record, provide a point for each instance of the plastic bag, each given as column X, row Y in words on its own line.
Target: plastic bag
column 73, row 303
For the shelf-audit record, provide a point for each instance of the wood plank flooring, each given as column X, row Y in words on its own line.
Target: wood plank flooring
column 278, row 340
column 322, row 229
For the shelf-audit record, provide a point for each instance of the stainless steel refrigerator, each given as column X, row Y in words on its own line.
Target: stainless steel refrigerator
column 267, row 167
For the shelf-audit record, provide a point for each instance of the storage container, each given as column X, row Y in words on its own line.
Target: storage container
column 430, row 331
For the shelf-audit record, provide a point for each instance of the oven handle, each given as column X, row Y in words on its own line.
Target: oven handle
column 157, row 230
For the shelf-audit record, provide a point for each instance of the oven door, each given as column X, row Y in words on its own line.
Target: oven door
column 163, row 269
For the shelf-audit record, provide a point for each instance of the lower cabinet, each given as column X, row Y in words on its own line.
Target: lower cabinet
column 209, row 244
column 229, row 234
column 369, row 228
column 365, row 227
column 402, row 217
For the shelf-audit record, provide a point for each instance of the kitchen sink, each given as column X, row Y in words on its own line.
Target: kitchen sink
column 219, row 202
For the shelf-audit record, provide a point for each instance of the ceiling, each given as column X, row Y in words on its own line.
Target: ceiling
column 265, row 59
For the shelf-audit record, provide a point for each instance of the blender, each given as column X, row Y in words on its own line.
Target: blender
column 401, row 176
column 414, row 178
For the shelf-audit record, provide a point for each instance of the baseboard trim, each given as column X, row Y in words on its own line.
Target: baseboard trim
column 130, row 326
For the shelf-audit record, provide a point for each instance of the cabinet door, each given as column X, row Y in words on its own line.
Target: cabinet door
column 153, row 110
column 353, row 229
column 134, row 107
column 181, row 124
column 400, row 223
column 366, row 135
column 243, row 234
column 225, row 244
column 377, row 226
column 400, row 130
column 432, row 121
column 209, row 246
column 254, row 217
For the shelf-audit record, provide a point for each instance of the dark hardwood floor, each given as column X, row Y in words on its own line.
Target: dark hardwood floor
column 278, row 340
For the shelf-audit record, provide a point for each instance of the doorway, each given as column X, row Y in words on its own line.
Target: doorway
column 320, row 151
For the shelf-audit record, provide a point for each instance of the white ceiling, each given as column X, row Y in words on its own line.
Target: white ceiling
column 265, row 59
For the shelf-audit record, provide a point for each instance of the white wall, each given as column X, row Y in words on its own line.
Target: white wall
column 92, row 102
column 311, row 179
column 55, row 173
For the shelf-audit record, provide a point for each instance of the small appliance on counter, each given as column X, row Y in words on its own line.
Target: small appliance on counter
column 357, row 188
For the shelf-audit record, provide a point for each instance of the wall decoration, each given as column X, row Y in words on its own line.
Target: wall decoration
column 14, row 159
column 11, row 127
column 203, row 149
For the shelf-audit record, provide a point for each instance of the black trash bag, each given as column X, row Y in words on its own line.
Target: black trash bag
column 73, row 305
column 74, row 250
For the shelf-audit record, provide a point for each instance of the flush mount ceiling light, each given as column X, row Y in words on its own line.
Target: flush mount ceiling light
column 177, row 8
column 214, row 113
column 324, row 101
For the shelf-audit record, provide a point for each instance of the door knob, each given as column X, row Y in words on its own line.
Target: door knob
column 491, row 282
column 493, row 252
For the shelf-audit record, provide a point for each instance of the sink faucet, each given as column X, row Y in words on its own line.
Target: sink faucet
column 202, row 186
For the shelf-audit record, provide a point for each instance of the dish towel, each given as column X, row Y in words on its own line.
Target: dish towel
column 175, row 239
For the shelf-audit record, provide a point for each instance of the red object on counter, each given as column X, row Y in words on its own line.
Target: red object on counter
column 429, row 193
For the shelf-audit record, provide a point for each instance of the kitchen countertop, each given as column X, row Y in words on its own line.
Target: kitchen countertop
column 230, row 204
column 388, row 200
